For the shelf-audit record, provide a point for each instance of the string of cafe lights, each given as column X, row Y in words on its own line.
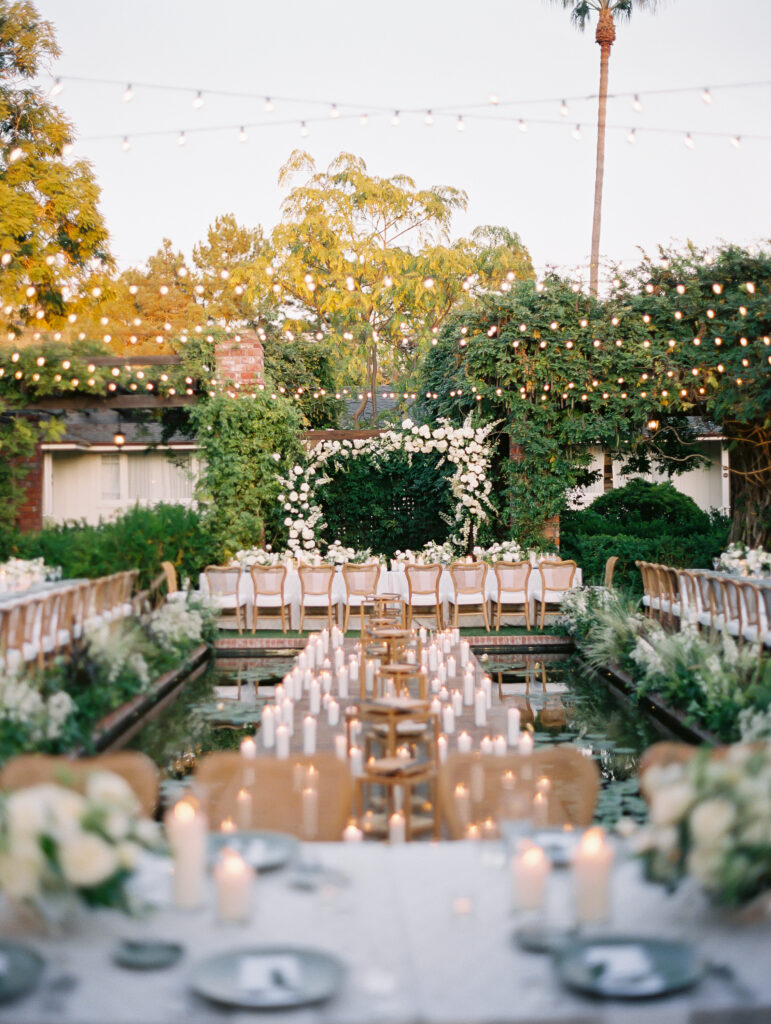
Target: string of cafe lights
column 461, row 113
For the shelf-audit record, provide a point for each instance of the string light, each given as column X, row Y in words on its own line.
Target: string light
column 56, row 88
column 304, row 130
column 637, row 103
column 334, row 112
column 632, row 136
column 242, row 136
column 577, row 133
column 429, row 118
column 181, row 140
column 522, row 125
column 460, row 126
column 125, row 145
column 736, row 141
column 688, row 141
column 564, row 111
column 128, row 93
column 268, row 106
column 395, row 119
column 364, row 119
column 706, row 96
column 198, row 100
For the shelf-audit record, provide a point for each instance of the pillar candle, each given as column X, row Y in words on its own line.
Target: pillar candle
column 442, row 672
column 422, row 634
column 397, row 832
column 462, row 799
column 464, row 743
column 436, row 706
column 592, row 869
column 287, row 714
column 447, row 641
column 468, row 688
column 487, row 686
column 486, row 745
column 513, row 719
column 341, row 747
column 480, row 707
column 186, row 828
column 540, row 810
column 433, row 658
column 310, row 811
column 279, row 693
column 314, row 697
column 282, row 741
column 465, row 650
column 411, row 657
column 441, row 749
column 529, row 870
column 339, row 658
column 444, row 694
column 268, row 730
column 356, row 760
column 435, row 684
column 448, row 719
column 307, row 677
column 244, row 810
column 302, row 659
column 309, row 734
column 457, row 702
column 424, row 658
column 333, row 712
column 526, row 743
column 452, row 667
column 342, row 682
column 325, row 639
column 352, row 833
column 353, row 667
column 248, row 749
column 369, row 674
column 233, row 881
column 499, row 746
column 455, row 636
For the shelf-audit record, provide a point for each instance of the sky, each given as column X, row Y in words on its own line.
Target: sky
column 416, row 55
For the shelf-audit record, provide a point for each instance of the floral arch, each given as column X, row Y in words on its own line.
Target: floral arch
column 466, row 447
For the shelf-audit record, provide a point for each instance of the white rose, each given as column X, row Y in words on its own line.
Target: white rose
column 293, row 496
column 305, row 487
column 704, row 865
column 668, row 805
column 710, row 820
column 87, row 860
column 293, row 534
column 288, row 521
column 109, row 789
column 128, row 855
column 147, row 832
column 116, row 825
column 20, row 871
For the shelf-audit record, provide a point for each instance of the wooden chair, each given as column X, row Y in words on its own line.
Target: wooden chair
column 689, row 596
column 513, row 580
column 268, row 582
column 223, row 582
column 495, row 786
column 316, row 591
column 610, row 568
column 276, row 790
column 34, row 769
column 423, row 590
column 669, row 593
column 173, row 593
column 753, row 630
column 707, row 615
column 468, row 584
column 360, row 583
column 650, row 587
column 733, row 612
column 556, row 580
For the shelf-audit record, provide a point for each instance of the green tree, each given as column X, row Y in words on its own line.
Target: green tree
column 52, row 236
column 364, row 261
column 605, row 35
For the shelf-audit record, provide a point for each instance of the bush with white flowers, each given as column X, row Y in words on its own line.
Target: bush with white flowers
column 55, row 841
column 177, row 625
column 710, row 819
column 31, row 714
column 740, row 560
column 467, row 448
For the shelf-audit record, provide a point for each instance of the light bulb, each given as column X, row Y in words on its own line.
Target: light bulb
column 460, row 126
column 67, row 148
column 364, row 119
column 304, row 130
column 242, row 136
column 395, row 119
column 429, row 118
column 198, row 100
column 181, row 140
column 16, row 154
column 493, row 99
column 637, row 103
column 706, row 96
column 333, row 111
column 632, row 136
column 564, row 109
column 688, row 141
column 125, row 145
column 57, row 87
column 128, row 93
column 268, row 105
column 736, row 141
column 522, row 125
column 577, row 133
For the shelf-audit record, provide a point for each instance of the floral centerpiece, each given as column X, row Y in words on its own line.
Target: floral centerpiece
column 56, row 843
column 248, row 557
column 505, row 551
column 710, row 819
column 740, row 560
column 429, row 554
column 20, row 573
column 338, row 554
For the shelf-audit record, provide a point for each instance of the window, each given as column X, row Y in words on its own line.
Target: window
column 110, row 475
column 154, row 477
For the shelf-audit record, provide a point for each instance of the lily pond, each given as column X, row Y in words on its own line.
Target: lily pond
column 557, row 696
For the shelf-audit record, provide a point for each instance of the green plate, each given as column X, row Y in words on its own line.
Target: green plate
column 264, row 851
column 618, row 967
column 139, row 955
column 269, row 978
column 20, row 970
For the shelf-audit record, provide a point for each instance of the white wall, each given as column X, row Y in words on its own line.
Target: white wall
column 706, row 485
column 97, row 485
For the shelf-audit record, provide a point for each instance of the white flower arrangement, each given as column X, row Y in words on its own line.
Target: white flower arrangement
column 338, row 554
column 21, row 573
column 248, row 557
column 740, row 560
column 56, row 841
column 710, row 819
column 431, row 553
column 23, row 705
column 467, row 448
column 176, row 624
column 505, row 551
column 115, row 653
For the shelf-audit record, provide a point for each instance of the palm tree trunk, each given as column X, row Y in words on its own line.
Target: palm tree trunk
column 605, row 37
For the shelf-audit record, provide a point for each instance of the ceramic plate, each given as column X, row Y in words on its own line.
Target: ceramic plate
column 628, row 968
column 264, row 851
column 269, row 978
column 139, row 955
column 20, row 970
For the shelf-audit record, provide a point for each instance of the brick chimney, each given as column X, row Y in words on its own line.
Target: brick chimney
column 241, row 360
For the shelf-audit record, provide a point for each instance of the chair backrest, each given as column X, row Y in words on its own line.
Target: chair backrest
column 268, row 580
column 135, row 767
column 223, row 579
column 689, row 594
column 732, row 601
column 276, row 789
column 704, row 586
column 468, row 577
column 557, row 574
column 316, row 579
column 765, row 594
column 361, row 580
column 493, row 783
column 423, row 579
column 610, row 568
column 669, row 583
column 512, row 576
column 666, row 753
column 171, row 577
column 752, row 603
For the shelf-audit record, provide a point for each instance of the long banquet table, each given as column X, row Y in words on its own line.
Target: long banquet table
column 425, row 933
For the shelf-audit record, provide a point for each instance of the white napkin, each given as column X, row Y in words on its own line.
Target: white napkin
column 260, row 973
column 629, row 967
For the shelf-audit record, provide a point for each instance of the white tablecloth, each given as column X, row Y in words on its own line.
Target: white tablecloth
column 412, row 951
